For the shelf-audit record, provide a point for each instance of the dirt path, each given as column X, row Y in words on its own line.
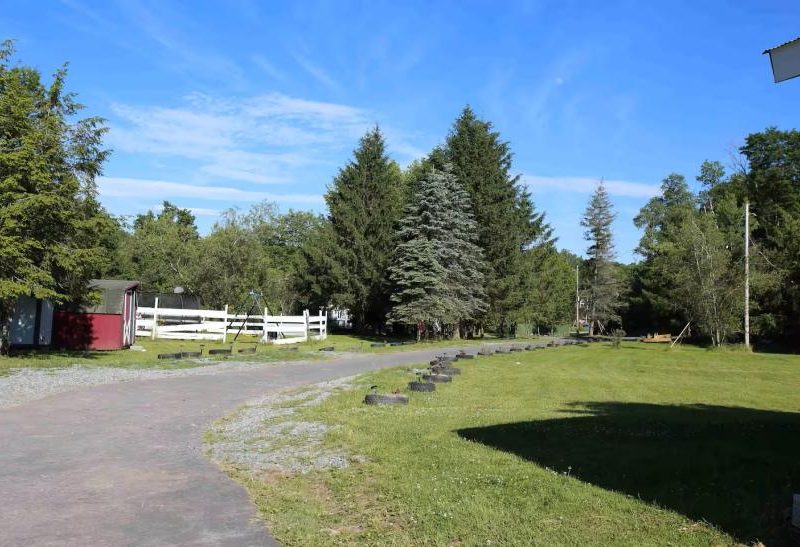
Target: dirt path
column 122, row 464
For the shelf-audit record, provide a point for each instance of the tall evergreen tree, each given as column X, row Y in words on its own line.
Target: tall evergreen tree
column 437, row 269
column 660, row 220
column 48, row 164
column 604, row 291
column 507, row 219
column 364, row 203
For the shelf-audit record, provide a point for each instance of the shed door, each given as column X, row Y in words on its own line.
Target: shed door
column 129, row 318
column 46, row 323
column 23, row 322
column 126, row 318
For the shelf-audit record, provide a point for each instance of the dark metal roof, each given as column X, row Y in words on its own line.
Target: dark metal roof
column 783, row 44
column 112, row 295
column 113, row 284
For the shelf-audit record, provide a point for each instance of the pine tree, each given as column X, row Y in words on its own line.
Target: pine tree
column 364, row 203
column 604, row 293
column 507, row 220
column 48, row 207
column 437, row 270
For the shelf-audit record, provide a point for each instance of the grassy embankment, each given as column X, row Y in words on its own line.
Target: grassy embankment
column 578, row 445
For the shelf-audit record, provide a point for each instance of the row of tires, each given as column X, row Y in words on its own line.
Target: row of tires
column 441, row 371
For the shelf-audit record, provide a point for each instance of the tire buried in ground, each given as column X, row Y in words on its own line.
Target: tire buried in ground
column 450, row 371
column 425, row 387
column 438, row 378
column 386, row 399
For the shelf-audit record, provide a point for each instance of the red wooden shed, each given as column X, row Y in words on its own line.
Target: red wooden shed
column 110, row 324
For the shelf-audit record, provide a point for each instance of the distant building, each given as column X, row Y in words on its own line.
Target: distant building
column 340, row 318
column 109, row 324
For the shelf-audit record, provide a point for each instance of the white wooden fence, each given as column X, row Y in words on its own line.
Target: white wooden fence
column 288, row 329
column 183, row 324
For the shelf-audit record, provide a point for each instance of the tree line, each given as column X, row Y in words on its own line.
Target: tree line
column 691, row 276
column 452, row 245
column 693, row 247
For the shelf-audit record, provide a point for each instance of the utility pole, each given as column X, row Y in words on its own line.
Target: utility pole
column 747, row 275
column 577, row 303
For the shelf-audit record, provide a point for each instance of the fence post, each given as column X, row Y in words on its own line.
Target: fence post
column 225, row 326
column 323, row 329
column 155, row 320
column 264, row 332
column 305, row 319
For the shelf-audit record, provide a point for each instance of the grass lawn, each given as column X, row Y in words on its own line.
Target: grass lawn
column 579, row 445
column 360, row 343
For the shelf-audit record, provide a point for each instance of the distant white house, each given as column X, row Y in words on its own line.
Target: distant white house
column 340, row 318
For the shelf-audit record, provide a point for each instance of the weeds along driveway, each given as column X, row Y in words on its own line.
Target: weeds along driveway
column 123, row 464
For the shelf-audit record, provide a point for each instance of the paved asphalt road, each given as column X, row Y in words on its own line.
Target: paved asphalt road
column 122, row 464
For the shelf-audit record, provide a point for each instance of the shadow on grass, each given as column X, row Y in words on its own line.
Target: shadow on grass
column 735, row 468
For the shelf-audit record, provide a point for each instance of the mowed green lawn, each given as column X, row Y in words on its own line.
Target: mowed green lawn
column 579, row 445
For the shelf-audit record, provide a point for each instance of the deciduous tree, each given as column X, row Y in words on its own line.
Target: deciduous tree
column 161, row 250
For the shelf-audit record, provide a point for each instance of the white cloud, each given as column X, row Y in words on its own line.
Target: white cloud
column 262, row 139
column 196, row 211
column 204, row 212
column 316, row 72
column 265, row 139
column 269, row 68
column 118, row 187
column 586, row 185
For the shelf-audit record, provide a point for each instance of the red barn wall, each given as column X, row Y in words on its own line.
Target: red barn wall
column 87, row 330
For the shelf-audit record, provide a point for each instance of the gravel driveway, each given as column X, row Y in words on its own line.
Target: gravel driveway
column 122, row 463
column 28, row 384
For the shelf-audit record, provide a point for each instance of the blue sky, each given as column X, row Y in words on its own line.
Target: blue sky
column 213, row 105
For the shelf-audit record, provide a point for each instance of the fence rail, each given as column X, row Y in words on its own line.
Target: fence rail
column 183, row 324
column 289, row 329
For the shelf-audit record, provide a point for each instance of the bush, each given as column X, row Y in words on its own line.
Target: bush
column 616, row 337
